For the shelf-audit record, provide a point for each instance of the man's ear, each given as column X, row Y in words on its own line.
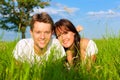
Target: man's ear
column 31, row 33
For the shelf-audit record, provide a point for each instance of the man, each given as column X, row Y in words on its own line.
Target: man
column 41, row 45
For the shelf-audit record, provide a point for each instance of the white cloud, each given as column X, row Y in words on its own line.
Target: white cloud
column 48, row 10
column 56, row 8
column 65, row 8
column 109, row 13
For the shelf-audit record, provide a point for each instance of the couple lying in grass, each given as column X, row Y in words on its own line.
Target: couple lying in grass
column 67, row 43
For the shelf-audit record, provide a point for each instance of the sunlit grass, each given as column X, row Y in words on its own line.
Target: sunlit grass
column 106, row 67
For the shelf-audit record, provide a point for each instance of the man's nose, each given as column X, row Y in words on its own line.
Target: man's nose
column 42, row 35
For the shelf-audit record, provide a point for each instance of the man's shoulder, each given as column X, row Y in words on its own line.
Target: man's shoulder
column 54, row 40
column 25, row 41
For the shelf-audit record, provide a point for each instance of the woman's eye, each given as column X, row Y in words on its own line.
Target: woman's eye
column 65, row 33
column 58, row 36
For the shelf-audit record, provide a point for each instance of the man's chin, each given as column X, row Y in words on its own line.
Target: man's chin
column 42, row 46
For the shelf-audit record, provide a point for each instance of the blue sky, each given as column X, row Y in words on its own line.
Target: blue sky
column 97, row 17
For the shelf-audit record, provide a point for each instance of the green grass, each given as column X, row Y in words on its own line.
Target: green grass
column 106, row 67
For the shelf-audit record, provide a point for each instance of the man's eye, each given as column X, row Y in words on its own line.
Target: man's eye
column 47, row 32
column 38, row 32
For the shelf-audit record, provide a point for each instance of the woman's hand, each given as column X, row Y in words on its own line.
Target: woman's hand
column 79, row 28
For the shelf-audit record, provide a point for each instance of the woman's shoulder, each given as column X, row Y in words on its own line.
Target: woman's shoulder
column 84, row 42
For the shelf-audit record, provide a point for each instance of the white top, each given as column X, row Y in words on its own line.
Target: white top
column 91, row 49
column 24, row 51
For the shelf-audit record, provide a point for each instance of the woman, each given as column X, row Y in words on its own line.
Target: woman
column 77, row 48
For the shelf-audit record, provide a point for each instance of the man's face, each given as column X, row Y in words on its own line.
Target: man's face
column 41, row 34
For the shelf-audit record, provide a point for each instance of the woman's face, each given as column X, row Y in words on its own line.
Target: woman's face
column 65, row 37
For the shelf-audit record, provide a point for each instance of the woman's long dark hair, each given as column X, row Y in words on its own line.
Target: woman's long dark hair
column 69, row 26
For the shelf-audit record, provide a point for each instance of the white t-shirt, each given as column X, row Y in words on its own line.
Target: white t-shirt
column 91, row 49
column 24, row 51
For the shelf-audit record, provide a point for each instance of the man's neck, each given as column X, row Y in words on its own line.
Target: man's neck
column 40, row 51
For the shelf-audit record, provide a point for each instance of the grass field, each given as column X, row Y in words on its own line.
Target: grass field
column 106, row 67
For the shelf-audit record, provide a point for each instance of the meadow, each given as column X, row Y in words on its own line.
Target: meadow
column 106, row 67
